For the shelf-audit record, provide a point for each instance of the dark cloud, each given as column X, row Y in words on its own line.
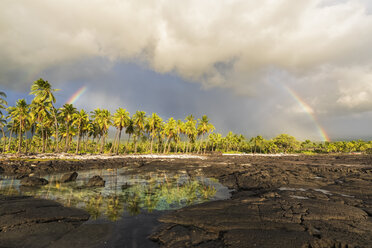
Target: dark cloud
column 232, row 60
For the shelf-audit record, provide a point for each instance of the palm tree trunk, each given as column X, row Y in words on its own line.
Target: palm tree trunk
column 118, row 145
column 78, row 142
column 135, row 143
column 152, row 141
column 10, row 139
column 56, row 134
column 47, row 143
column 114, row 142
column 201, row 143
column 255, row 146
column 26, row 149
column 20, row 136
column 4, row 142
column 127, row 145
column 165, row 145
column 67, row 136
column 206, row 145
column 169, row 144
column 97, row 143
column 102, row 143
column 42, row 138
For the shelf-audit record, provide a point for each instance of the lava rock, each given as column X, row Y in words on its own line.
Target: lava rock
column 33, row 181
column 69, row 177
column 96, row 181
column 29, row 222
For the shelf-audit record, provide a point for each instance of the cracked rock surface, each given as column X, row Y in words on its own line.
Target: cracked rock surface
column 30, row 222
column 305, row 201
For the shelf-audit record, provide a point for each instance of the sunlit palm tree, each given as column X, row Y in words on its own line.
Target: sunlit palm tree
column 80, row 120
column 204, row 127
column 190, row 130
column 153, row 126
column 40, row 111
column 20, row 113
column 121, row 120
column 43, row 92
column 102, row 118
column 66, row 114
column 3, row 103
column 130, row 131
column 139, row 122
column 170, row 131
column 2, row 125
column 180, row 127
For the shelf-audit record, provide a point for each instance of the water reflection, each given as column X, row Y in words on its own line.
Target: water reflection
column 123, row 192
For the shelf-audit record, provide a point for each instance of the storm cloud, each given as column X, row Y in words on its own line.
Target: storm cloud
column 319, row 48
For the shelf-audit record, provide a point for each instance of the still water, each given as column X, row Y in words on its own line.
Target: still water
column 129, row 203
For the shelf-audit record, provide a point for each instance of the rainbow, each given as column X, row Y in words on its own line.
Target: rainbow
column 76, row 95
column 310, row 112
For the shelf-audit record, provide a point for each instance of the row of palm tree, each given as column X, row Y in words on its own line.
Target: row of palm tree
column 70, row 127
column 41, row 127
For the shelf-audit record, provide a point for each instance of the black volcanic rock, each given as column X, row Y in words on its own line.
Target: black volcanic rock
column 30, row 222
column 69, row 177
column 95, row 181
column 33, row 181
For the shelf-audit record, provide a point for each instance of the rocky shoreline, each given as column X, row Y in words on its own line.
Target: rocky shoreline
column 278, row 201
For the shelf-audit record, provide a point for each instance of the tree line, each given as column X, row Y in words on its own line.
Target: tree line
column 41, row 127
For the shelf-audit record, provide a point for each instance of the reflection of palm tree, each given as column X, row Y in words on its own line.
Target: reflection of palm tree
column 133, row 205
column 161, row 191
column 93, row 206
column 114, row 208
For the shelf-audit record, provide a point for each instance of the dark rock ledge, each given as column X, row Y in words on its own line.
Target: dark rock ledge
column 30, row 222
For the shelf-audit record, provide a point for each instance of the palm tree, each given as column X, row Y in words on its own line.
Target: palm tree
column 180, row 127
column 121, row 120
column 44, row 93
column 139, row 122
column 2, row 101
column 129, row 130
column 12, row 127
column 257, row 142
column 2, row 117
column 153, row 126
column 190, row 130
column 2, row 125
column 20, row 113
column 204, row 127
column 40, row 110
column 66, row 114
column 215, row 139
column 80, row 120
column 170, row 131
column 102, row 118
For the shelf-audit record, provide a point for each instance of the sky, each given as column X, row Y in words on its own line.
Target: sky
column 302, row 67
